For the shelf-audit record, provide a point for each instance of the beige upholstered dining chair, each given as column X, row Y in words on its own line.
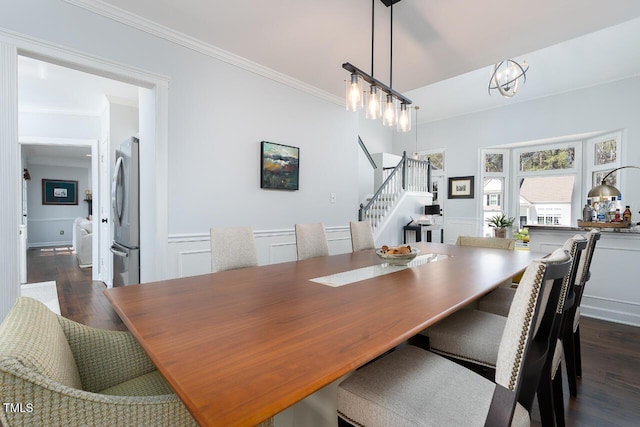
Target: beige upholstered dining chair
column 412, row 386
column 361, row 236
column 486, row 242
column 472, row 336
column 571, row 333
column 499, row 301
column 311, row 241
column 232, row 248
column 74, row 375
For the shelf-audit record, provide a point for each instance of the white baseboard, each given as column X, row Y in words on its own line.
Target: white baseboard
column 624, row 312
column 45, row 244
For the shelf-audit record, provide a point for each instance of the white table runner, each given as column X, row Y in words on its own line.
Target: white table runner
column 352, row 276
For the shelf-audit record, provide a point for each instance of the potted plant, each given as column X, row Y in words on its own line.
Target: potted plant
column 500, row 222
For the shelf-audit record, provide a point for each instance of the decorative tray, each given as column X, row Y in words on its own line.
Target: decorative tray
column 586, row 224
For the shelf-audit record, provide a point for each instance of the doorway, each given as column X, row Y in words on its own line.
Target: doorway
column 61, row 101
column 63, row 104
column 56, row 227
column 153, row 106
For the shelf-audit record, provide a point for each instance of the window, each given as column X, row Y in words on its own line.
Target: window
column 494, row 162
column 493, row 200
column 544, row 160
column 603, row 156
column 436, row 157
column 494, row 182
column 549, row 182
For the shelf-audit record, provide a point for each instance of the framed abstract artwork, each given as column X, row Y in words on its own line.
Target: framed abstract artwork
column 59, row 192
column 461, row 187
column 279, row 166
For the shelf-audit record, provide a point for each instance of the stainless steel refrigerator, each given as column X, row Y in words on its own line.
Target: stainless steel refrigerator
column 125, row 205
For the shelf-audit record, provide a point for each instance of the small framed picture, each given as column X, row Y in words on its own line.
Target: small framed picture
column 279, row 166
column 59, row 192
column 461, row 187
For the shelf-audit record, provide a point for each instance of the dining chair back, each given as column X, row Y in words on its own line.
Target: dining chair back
column 486, row 242
column 311, row 241
column 232, row 248
column 361, row 236
column 570, row 333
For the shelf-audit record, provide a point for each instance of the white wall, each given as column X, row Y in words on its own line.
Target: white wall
column 46, row 222
column 377, row 138
column 218, row 114
column 48, row 125
column 123, row 124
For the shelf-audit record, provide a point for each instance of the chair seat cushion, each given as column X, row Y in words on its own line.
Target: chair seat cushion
column 151, row 384
column 470, row 335
column 413, row 387
column 497, row 301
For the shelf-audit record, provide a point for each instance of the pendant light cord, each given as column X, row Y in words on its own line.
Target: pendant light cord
column 373, row 9
column 391, row 50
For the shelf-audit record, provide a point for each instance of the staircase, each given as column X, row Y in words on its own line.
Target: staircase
column 408, row 175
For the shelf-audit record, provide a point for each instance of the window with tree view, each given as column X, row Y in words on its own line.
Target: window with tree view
column 544, row 160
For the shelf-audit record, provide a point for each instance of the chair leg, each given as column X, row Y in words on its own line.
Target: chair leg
column 545, row 399
column 558, row 397
column 576, row 345
column 570, row 362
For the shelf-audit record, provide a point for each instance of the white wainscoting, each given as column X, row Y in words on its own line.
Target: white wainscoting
column 455, row 227
column 46, row 232
column 612, row 292
column 190, row 255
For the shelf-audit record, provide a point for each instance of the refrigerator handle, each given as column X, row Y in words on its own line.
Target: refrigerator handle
column 117, row 210
column 119, row 253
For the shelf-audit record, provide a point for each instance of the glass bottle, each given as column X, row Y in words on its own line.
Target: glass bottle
column 601, row 212
column 617, row 217
column 626, row 216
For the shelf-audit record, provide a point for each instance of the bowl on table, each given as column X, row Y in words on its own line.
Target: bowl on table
column 397, row 258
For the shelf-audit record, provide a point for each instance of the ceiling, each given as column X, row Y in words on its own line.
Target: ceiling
column 42, row 154
column 434, row 40
column 442, row 49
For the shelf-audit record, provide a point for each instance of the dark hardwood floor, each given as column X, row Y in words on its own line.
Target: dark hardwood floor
column 81, row 299
column 608, row 393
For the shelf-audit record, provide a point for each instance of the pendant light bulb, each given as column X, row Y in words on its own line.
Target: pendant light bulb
column 404, row 119
column 389, row 115
column 354, row 93
column 373, row 102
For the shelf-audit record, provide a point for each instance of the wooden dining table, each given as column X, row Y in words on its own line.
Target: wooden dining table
column 240, row 346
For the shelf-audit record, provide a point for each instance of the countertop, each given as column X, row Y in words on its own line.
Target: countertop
column 631, row 230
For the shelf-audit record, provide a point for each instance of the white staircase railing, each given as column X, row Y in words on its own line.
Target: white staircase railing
column 408, row 175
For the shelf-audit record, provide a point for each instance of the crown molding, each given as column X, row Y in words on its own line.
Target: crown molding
column 135, row 21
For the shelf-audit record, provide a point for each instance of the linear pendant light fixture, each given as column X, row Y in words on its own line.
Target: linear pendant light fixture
column 392, row 108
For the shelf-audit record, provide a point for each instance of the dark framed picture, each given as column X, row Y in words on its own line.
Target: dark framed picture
column 59, row 192
column 279, row 166
column 461, row 187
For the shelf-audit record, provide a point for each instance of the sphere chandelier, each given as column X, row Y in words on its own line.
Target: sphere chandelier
column 507, row 77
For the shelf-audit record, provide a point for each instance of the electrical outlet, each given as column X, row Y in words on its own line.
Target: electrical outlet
column 61, row 232
column 332, row 197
